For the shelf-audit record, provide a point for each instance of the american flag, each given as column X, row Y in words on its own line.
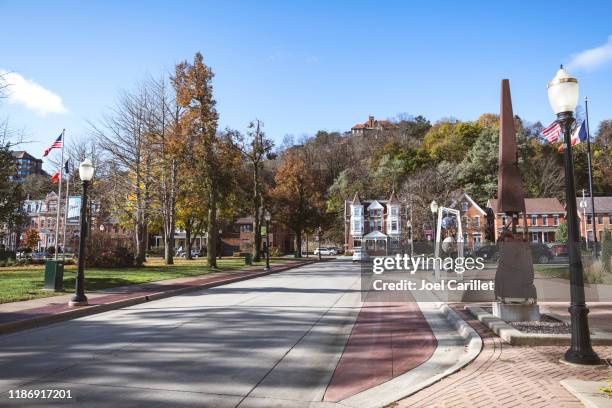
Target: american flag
column 552, row 132
column 55, row 145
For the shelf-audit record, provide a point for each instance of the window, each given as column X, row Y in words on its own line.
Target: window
column 555, row 220
column 477, row 221
column 534, row 220
column 589, row 219
column 356, row 225
column 394, row 211
column 375, row 213
column 246, row 228
column 545, row 220
column 464, row 206
column 504, row 219
column 393, row 225
column 534, row 237
column 610, row 218
column 356, row 243
column 357, row 211
column 600, row 218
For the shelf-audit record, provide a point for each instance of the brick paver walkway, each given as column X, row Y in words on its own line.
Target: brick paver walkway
column 508, row 376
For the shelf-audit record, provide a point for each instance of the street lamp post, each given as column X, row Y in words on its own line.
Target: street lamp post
column 563, row 97
column 86, row 172
column 319, row 238
column 267, row 217
column 434, row 213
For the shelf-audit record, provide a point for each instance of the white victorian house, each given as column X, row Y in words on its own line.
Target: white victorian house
column 374, row 225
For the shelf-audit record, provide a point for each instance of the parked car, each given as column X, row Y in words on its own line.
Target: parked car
column 540, row 253
column 559, row 249
column 359, row 255
column 324, row 251
column 487, row 252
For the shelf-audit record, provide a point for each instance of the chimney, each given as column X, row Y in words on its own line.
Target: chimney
column 370, row 121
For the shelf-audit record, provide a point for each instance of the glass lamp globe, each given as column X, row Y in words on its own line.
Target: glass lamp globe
column 563, row 92
column 267, row 216
column 86, row 170
column 434, row 206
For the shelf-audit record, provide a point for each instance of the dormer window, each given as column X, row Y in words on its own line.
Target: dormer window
column 394, row 211
column 356, row 211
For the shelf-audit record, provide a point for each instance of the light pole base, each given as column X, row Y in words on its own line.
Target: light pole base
column 579, row 358
column 78, row 301
column 591, row 362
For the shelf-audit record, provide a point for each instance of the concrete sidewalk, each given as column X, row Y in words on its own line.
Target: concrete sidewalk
column 38, row 312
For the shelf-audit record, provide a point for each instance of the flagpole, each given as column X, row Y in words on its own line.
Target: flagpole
column 586, row 111
column 59, row 197
column 65, row 217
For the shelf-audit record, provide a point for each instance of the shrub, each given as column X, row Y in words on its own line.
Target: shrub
column 6, row 254
column 593, row 272
column 606, row 252
column 105, row 252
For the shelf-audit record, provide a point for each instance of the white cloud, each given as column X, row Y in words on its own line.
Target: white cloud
column 593, row 58
column 34, row 96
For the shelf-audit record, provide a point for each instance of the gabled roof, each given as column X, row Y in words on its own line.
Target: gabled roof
column 375, row 205
column 602, row 204
column 536, row 205
column 356, row 199
column 375, row 234
column 385, row 124
column 467, row 197
column 393, row 199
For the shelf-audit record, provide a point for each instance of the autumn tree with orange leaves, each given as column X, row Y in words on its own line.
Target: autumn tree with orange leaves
column 297, row 197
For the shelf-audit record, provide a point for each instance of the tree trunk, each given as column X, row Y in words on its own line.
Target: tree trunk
column 212, row 230
column 188, row 241
column 257, row 236
column 298, row 239
column 141, row 243
column 170, row 217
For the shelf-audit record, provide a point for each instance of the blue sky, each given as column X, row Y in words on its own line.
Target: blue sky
column 304, row 66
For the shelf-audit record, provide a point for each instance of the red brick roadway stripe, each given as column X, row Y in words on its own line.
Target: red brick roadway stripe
column 387, row 340
column 133, row 294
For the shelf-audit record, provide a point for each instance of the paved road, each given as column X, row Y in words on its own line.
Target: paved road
column 270, row 341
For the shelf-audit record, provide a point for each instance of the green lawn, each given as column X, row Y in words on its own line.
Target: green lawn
column 24, row 283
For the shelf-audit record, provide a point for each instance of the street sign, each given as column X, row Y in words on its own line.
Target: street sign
column 264, row 231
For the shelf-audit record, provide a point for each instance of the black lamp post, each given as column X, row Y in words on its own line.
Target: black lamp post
column 319, row 238
column 86, row 171
column 267, row 217
column 563, row 97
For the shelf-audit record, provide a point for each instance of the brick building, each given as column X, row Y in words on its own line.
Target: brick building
column 473, row 221
column 27, row 165
column 373, row 127
column 543, row 218
column 603, row 217
column 238, row 237
column 377, row 226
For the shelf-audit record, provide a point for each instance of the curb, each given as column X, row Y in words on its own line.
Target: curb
column 517, row 338
column 11, row 327
column 472, row 347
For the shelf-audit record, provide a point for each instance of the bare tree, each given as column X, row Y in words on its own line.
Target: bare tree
column 122, row 134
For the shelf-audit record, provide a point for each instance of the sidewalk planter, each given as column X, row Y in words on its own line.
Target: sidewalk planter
column 54, row 275
column 248, row 259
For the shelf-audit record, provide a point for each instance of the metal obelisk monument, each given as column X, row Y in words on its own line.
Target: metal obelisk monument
column 514, row 289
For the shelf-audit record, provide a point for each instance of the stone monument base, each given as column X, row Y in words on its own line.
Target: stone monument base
column 516, row 312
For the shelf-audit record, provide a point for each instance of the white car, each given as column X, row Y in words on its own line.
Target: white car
column 359, row 255
column 324, row 251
